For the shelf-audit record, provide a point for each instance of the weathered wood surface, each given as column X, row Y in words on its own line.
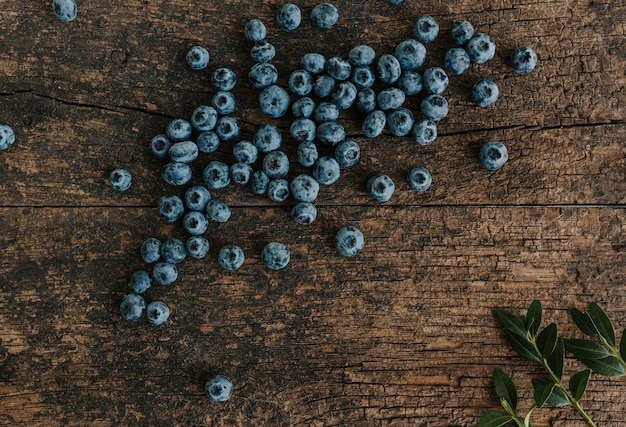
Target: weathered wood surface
column 404, row 334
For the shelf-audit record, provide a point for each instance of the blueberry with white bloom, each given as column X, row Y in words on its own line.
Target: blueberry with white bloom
column 120, row 179
column 324, row 15
column 173, row 250
column 195, row 223
column 347, row 153
column 374, row 123
column 208, row 141
column 255, row 31
column 262, row 75
column 278, row 190
column 183, row 152
column 231, row 257
column 343, row 95
column 426, row 29
column 481, row 48
column 304, row 213
column 216, row 174
column 267, row 138
column 178, row 130
column 366, row 100
column 411, row 54
column 197, row 58
column 410, row 82
column 388, row 69
column 151, row 250
column 323, row 85
column 227, row 128
column 303, row 130
column 338, row 68
column 170, row 208
column 259, row 182
column 164, row 273
column 300, row 82
column 462, row 31
column 493, row 155
column 196, row 198
column 140, row 281
column 224, row 79
column 457, row 60
column 303, row 107
column 363, row 77
column 435, row 80
column 275, row 255
column 380, row 187
column 289, row 17
column 276, row 164
column 219, row 388
column 434, row 107
column 349, row 241
column 157, row 312
column 65, row 10
column 262, row 51
column 218, row 211
column 224, row 102
column 246, row 152
column 424, row 131
column 523, row 60
column 176, row 173
column 419, row 179
column 326, row 112
column 304, row 188
column 400, row 121
column 197, row 247
column 133, row 307
column 330, row 133
column 240, row 173
column 204, row 118
column 485, row 93
column 160, row 146
column 390, row 98
column 274, row 101
column 7, row 137
column 326, row 170
column 314, row 63
column 361, row 55
column 307, row 153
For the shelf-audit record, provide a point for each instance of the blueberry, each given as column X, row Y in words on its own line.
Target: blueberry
column 183, row 152
column 157, row 312
column 65, row 10
column 208, row 141
column 196, row 198
column 304, row 213
column 195, row 223
column 7, row 137
column 133, row 307
column 461, row 32
column 178, row 130
column 362, row 55
column 493, row 155
column 523, row 60
column 278, row 190
column 326, row 170
column 307, row 153
column 231, row 257
column 435, row 80
column 219, row 388
column 349, row 241
column 289, row 17
column 303, row 107
column 227, row 128
column 330, row 133
column 267, row 138
column 411, row 54
column 262, row 75
column 457, row 60
column 255, row 31
column 275, row 256
column 262, row 51
column 304, row 188
column 400, row 121
column 326, row 112
column 197, row 247
column 338, row 68
column 363, row 77
column 424, row 131
column 347, row 153
column 240, row 173
column 388, row 69
column 151, row 250
column 481, row 48
column 324, row 15
column 314, row 63
column 426, row 29
column 434, row 107
column 197, row 58
column 173, row 251
column 120, row 179
column 343, row 95
column 245, row 152
column 204, row 118
column 410, row 82
column 380, row 187
column 274, row 101
column 300, row 82
column 419, row 179
column 485, row 93
column 224, row 102
column 160, row 145
column 218, row 211
column 323, row 85
column 164, row 273
column 216, row 174
column 140, row 281
column 374, row 123
column 170, row 208
column 259, row 182
column 365, row 100
column 395, row 1
column 303, row 130
column 390, row 98
column 224, row 79
column 176, row 173
column 276, row 164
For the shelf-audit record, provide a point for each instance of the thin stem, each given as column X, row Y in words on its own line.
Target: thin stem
column 613, row 349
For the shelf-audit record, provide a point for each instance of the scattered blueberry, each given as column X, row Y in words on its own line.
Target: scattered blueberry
column 259, row 182
column 314, row 63
column 410, row 82
column 419, row 179
column 275, row 256
column 197, row 58
column 196, row 198
column 227, row 128
column 307, row 153
column 485, row 93
column 204, row 118
column 278, row 190
column 240, row 173
column 140, row 281
column 523, row 60
column 363, row 76
column 411, row 54
column 151, row 250
column 435, row 80
column 493, row 155
column 231, row 257
column 133, row 307
column 274, row 101
column 330, row 133
column 224, row 79
column 304, row 188
column 164, row 273
column 457, row 60
column 362, row 55
column 426, row 29
column 219, row 388
column 326, row 170
column 303, row 107
column 218, row 211
column 197, row 247
column 374, row 123
column 276, row 164
column 434, row 107
column 343, row 95
column 173, row 250
column 7, row 137
column 157, row 312
column 303, row 130
column 323, row 85
column 481, row 48
column 380, row 187
column 183, row 152
column 224, row 102
column 347, row 153
column 462, row 31
column 366, row 100
column 120, row 179
column 255, row 31
column 349, row 241
column 338, row 68
column 65, row 10
column 246, row 152
column 178, row 130
column 195, row 223
column 425, row 131
column 267, row 138
column 263, row 51
column 326, row 112
column 390, row 98
column 388, row 69
column 262, row 75
column 324, row 15
column 216, row 174
column 289, row 17
column 304, row 213
column 170, row 208
column 400, row 121
column 160, row 145
column 176, row 173
column 208, row 141
column 300, row 82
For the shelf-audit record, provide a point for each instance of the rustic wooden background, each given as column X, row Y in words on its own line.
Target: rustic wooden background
column 403, row 334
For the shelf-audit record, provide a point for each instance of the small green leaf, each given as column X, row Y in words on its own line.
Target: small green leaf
column 622, row 345
column 511, row 322
column 586, row 349
column 578, row 383
column 608, row 366
column 494, row 419
column 557, row 399
column 603, row 323
column 533, row 317
column 547, row 339
column 505, row 388
column 521, row 345
column 584, row 322
column 556, row 359
column 542, row 393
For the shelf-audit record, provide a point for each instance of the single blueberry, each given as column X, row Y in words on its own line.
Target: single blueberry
column 362, row 55
column 493, row 155
column 262, row 51
column 140, row 281
column 363, row 76
column 255, row 31
column 380, row 187
column 481, row 48
column 303, row 130
column 323, row 85
column 426, row 29
column 396, row 1
column 208, row 141
column 178, row 130
column 435, row 80
column 197, row 58
column 151, row 250
column 326, row 170
column 485, row 93
column 197, row 247
column 224, row 79
column 173, row 250
column 411, row 54
column 231, row 257
column 133, row 307
column 195, row 223
column 275, row 255
column 330, row 133
column 120, row 179
column 425, row 131
column 219, row 388
column 183, row 152
column 218, row 211
column 176, row 173
column 157, row 312
column 523, row 60
column 278, row 190
column 245, row 152
column 303, row 108
column 262, row 75
column 388, row 69
column 304, row 188
column 160, row 145
column 365, row 100
column 461, row 32
column 457, row 60
column 267, row 138
column 204, row 118
column 224, row 102
column 276, row 164
column 390, row 98
column 170, row 208
column 300, row 82
column 274, row 101
column 259, row 182
column 400, row 121
column 349, row 241
column 65, row 10
column 347, row 153
column 434, row 107
column 307, row 153
column 304, row 213
column 289, row 17
column 419, row 179
column 164, row 273
column 227, row 128
column 216, row 174
column 196, row 198
column 410, row 82
column 314, row 63
column 374, row 123
column 343, row 95
column 7, row 137
column 324, row 15
column 240, row 173
column 326, row 112
column 338, row 68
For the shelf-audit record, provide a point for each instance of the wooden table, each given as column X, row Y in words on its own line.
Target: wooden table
column 404, row 333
